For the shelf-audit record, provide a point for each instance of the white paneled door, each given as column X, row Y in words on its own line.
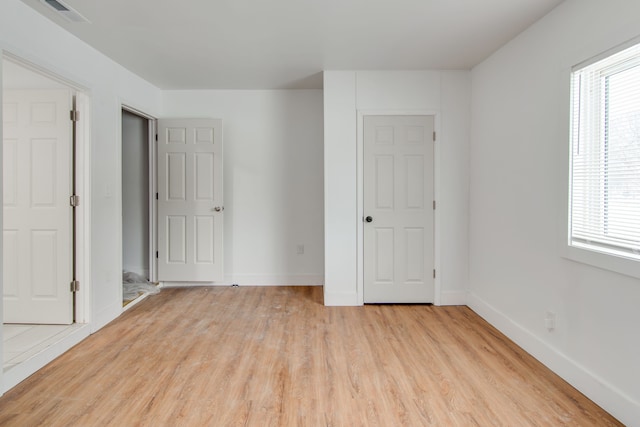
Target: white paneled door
column 190, row 200
column 398, row 209
column 37, row 224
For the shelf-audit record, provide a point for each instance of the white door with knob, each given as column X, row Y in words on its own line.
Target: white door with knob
column 190, row 200
column 399, row 209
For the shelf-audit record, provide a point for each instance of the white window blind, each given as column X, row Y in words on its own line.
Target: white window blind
column 605, row 155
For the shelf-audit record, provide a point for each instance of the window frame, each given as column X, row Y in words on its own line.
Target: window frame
column 582, row 253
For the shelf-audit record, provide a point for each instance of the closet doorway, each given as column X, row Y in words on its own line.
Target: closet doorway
column 138, row 205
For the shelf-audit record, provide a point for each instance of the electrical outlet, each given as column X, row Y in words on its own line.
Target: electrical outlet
column 300, row 249
column 550, row 320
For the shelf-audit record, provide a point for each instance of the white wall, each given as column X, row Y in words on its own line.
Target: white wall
column 346, row 93
column 108, row 85
column 16, row 77
column 135, row 194
column 519, row 165
column 272, row 180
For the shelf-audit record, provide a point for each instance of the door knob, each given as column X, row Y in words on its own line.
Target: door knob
column 218, row 208
column 368, row 219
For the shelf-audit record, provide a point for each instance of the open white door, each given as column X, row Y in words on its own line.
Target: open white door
column 37, row 225
column 190, row 200
column 398, row 209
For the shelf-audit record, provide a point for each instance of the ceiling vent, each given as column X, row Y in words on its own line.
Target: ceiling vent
column 65, row 11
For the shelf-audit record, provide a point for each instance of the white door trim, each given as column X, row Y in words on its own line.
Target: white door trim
column 153, row 189
column 360, row 192
column 83, row 212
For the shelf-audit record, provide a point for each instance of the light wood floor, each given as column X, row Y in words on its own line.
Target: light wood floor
column 277, row 357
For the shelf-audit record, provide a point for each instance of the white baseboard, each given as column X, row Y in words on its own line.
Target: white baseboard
column 341, row 300
column 16, row 374
column 105, row 316
column 602, row 393
column 453, row 298
column 265, row 280
column 308, row 280
column 190, row 284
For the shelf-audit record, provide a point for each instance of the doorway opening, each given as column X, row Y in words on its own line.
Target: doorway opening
column 138, row 206
column 44, row 280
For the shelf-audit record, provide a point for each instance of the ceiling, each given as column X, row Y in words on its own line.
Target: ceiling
column 285, row 44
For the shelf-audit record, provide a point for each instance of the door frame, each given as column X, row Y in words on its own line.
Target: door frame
column 360, row 193
column 152, row 131
column 83, row 185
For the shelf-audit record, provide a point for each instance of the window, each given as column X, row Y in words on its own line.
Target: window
column 605, row 156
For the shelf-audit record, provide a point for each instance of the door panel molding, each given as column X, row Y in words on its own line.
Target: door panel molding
column 360, row 194
column 399, row 241
column 190, row 200
column 39, row 213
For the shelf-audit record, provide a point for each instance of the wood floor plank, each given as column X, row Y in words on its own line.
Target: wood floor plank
column 275, row 356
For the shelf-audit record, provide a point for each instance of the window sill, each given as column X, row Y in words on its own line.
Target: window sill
column 617, row 264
